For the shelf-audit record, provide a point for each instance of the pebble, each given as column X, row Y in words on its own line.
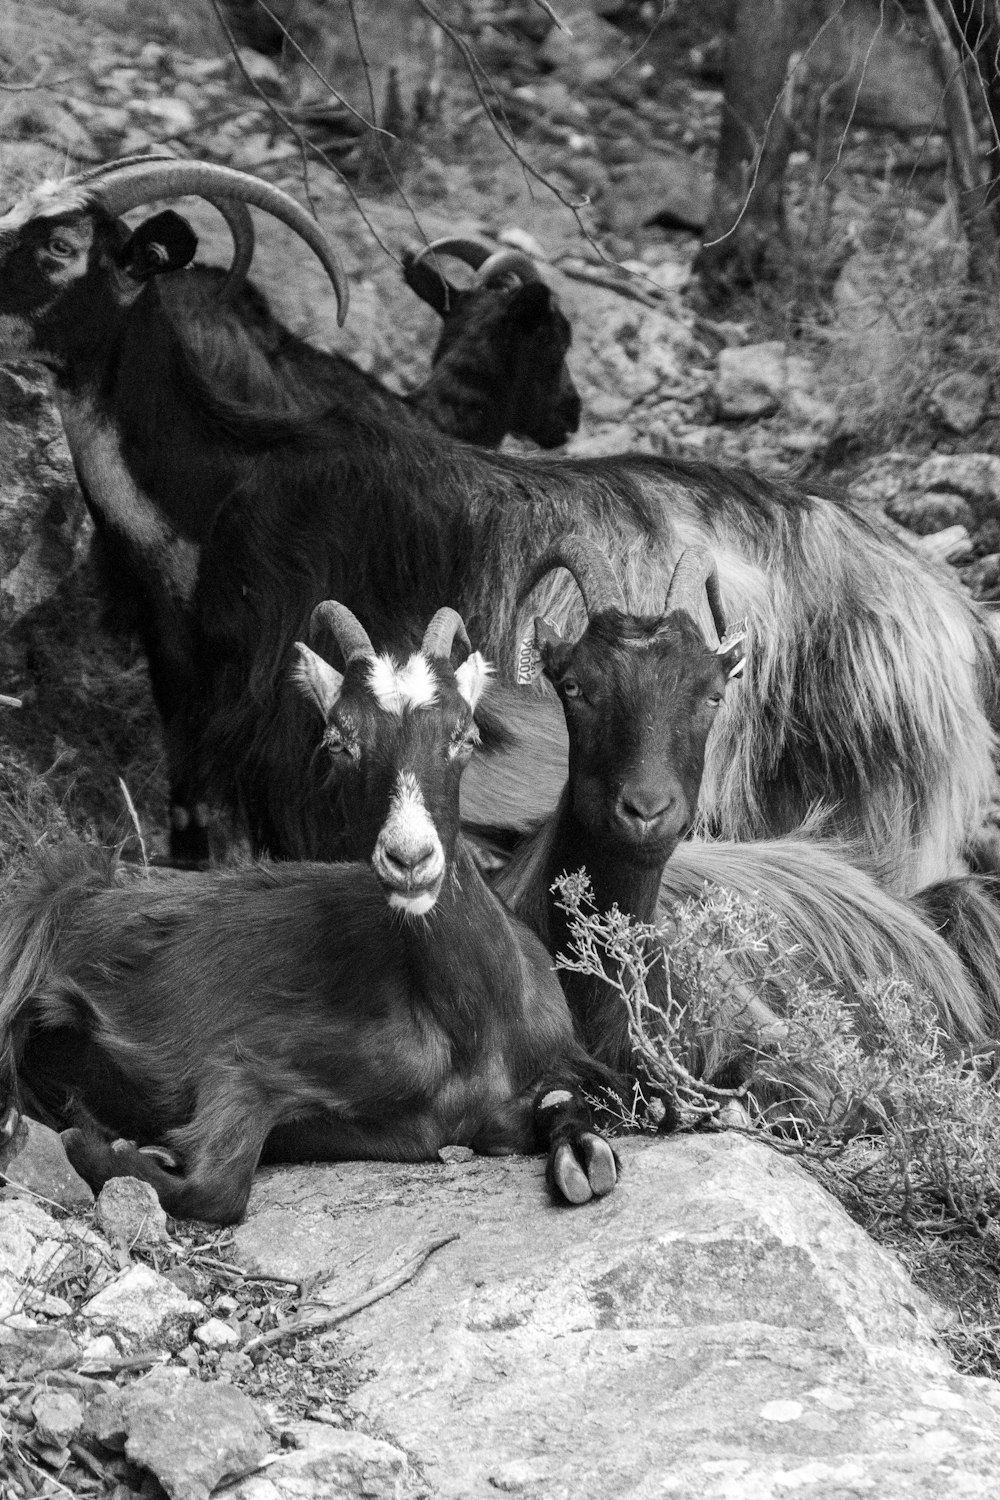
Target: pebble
column 215, row 1334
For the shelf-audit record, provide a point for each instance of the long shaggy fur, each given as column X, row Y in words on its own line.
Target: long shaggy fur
column 966, row 914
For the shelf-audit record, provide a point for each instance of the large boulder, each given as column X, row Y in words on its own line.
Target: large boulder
column 42, row 515
column 717, row 1327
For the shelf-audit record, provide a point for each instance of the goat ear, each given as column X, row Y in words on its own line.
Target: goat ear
column 166, row 242
column 423, row 277
column 317, row 679
column 471, row 678
column 538, row 643
column 732, row 653
column 531, row 306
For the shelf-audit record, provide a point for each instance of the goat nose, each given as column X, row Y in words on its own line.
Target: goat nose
column 408, row 865
column 643, row 812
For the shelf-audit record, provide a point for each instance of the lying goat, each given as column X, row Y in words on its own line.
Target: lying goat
column 303, row 1011
column 236, row 521
column 640, row 695
column 499, row 365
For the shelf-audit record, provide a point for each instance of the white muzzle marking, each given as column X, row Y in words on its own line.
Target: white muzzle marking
column 408, row 858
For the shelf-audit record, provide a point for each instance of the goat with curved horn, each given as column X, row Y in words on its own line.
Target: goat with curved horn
column 133, row 181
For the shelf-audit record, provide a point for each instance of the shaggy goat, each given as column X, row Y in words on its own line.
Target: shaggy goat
column 640, row 695
column 303, row 1011
column 870, row 682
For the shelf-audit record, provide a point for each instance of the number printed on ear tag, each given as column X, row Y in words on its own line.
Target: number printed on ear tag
column 529, row 658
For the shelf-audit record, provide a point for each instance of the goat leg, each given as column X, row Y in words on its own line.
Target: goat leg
column 581, row 1163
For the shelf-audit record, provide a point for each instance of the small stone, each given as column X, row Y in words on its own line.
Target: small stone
column 605, row 406
column 322, row 1461
column 189, row 1433
column 931, row 512
column 226, row 1306
column 36, row 1159
column 974, row 475
column 671, row 190
column 215, row 1334
column 58, row 1418
column 129, row 1213
column 953, row 545
column 99, row 1352
column 25, row 1352
column 454, row 1154
column 144, row 1311
column 751, row 380
column 264, row 73
column 959, row 401
column 983, row 575
column 235, row 1363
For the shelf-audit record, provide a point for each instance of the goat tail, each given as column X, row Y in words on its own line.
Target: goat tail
column 965, row 912
column 852, row 934
column 34, row 917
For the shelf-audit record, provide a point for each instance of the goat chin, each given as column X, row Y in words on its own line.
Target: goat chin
column 417, row 905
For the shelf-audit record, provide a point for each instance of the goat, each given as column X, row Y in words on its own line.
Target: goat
column 871, row 678
column 499, row 366
column 640, row 695
column 304, row 1011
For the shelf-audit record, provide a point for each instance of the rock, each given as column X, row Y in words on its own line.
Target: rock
column 952, row 545
column 672, row 190
column 42, row 518
column 143, row 1310
column 931, row 512
column 189, row 1433
column 327, row 1462
column 263, row 70
column 456, row 1155
column 983, row 576
column 31, row 1244
column 751, row 380
column 36, row 1159
column 589, row 50
column 58, row 1418
column 716, row 1327
column 959, row 401
column 215, row 1334
column 607, row 407
column 129, row 1213
column 974, row 475
column 25, row 1352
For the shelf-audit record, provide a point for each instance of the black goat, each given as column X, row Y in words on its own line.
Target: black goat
column 844, row 702
column 303, row 1011
column 640, row 695
column 499, row 366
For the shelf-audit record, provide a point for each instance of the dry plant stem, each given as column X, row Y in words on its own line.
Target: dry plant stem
column 984, row 256
column 304, row 145
column 319, row 1322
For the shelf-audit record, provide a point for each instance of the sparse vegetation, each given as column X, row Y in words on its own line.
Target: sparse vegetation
column 906, row 1135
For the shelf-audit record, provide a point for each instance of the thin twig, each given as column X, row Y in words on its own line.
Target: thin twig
column 372, row 123
column 135, row 820
column 318, row 1322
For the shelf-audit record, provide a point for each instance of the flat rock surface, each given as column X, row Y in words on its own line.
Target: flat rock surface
column 718, row 1327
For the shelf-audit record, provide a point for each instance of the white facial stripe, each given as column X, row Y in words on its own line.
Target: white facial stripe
column 471, row 678
column 408, row 850
column 44, row 202
column 397, row 688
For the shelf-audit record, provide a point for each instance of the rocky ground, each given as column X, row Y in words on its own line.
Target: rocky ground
column 718, row 1327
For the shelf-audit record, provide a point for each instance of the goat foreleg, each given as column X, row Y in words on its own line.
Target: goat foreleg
column 581, row 1163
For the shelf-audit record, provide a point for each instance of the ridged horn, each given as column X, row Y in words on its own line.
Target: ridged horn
column 694, row 576
column 594, row 575
column 346, row 629
column 129, row 182
column 506, row 263
column 463, row 247
column 442, row 632
column 233, row 210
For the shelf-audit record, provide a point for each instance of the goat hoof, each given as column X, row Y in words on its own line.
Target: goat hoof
column 585, row 1168
column 569, row 1176
column 601, row 1163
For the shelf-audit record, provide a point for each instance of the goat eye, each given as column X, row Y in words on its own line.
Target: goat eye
column 61, row 248
column 336, row 744
column 465, row 738
column 571, row 688
column 715, row 699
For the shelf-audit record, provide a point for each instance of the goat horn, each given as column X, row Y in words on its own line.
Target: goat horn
column 123, row 185
column 594, row 575
column 506, row 263
column 463, row 247
column 695, row 575
column 441, row 633
column 346, row 629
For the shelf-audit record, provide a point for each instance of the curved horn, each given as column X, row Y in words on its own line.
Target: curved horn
column 593, row 573
column 442, row 632
column 506, row 263
column 694, row 576
column 463, row 247
column 126, row 184
column 346, row 629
